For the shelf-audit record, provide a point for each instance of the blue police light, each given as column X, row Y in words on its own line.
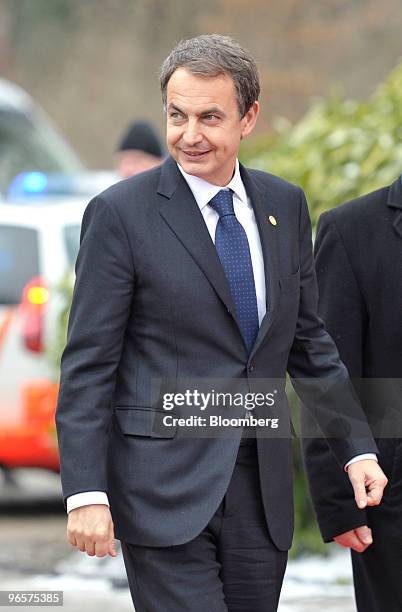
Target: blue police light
column 28, row 184
column 35, row 182
column 32, row 186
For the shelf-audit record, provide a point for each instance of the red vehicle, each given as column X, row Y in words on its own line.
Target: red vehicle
column 32, row 442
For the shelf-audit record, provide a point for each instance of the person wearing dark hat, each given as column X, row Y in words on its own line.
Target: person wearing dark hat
column 139, row 149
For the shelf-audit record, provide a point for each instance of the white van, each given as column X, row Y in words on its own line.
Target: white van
column 38, row 246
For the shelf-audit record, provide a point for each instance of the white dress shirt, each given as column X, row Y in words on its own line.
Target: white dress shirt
column 203, row 193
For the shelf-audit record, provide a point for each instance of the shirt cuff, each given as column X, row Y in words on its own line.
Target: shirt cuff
column 86, row 499
column 361, row 458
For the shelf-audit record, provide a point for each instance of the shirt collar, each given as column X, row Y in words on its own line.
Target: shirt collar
column 203, row 191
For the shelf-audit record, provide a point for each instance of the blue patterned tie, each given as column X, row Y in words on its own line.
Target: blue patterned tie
column 234, row 252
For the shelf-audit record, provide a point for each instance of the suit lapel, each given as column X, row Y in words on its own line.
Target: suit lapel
column 264, row 206
column 182, row 214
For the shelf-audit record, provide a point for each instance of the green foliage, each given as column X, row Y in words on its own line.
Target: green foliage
column 62, row 292
column 339, row 149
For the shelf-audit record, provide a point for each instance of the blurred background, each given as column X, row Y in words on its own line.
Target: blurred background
column 74, row 76
column 93, row 65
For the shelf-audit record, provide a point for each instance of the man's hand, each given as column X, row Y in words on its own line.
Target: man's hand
column 90, row 529
column 359, row 539
column 368, row 481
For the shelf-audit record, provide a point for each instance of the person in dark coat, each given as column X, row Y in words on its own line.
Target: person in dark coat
column 358, row 252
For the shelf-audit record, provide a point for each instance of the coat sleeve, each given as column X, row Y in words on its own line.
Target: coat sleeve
column 343, row 310
column 100, row 309
column 318, row 375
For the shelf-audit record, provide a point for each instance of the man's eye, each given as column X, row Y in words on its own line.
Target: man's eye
column 211, row 117
column 176, row 115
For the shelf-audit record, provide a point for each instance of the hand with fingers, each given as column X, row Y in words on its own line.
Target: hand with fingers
column 358, row 539
column 368, row 481
column 90, row 529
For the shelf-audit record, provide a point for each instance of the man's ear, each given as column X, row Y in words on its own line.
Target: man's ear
column 249, row 120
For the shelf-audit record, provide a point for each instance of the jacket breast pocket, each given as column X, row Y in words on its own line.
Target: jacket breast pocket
column 144, row 421
column 290, row 284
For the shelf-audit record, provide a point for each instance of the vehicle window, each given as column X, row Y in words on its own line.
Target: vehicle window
column 31, row 144
column 19, row 261
column 72, row 242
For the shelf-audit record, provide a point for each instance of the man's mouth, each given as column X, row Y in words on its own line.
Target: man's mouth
column 195, row 153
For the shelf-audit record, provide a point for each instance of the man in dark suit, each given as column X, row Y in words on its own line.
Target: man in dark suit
column 359, row 267
column 198, row 270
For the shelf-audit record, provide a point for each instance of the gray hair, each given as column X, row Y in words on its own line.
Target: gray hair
column 212, row 55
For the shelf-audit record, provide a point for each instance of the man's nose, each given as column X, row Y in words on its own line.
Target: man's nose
column 192, row 134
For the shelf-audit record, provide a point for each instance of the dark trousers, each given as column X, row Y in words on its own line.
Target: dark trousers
column 231, row 566
column 377, row 573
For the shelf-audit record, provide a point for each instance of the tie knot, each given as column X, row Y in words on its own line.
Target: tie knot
column 223, row 203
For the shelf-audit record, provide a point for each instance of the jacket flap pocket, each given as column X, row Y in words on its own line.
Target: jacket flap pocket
column 291, row 283
column 143, row 421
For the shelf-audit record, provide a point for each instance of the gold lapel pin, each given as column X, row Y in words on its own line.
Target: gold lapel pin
column 272, row 220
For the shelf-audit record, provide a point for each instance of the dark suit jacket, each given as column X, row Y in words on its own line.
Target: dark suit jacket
column 151, row 302
column 358, row 253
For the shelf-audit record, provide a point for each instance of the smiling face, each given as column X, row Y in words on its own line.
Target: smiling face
column 204, row 127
